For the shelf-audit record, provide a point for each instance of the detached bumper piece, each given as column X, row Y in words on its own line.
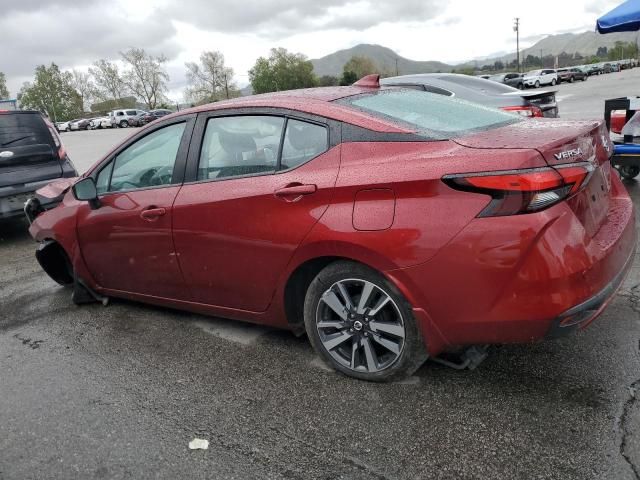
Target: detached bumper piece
column 582, row 314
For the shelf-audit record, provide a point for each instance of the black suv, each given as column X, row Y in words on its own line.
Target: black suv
column 31, row 156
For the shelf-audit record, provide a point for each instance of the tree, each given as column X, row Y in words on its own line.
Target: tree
column 328, row 81
column 498, row 65
column 51, row 92
column 281, row 71
column 210, row 80
column 4, row 91
column 81, row 82
column 109, row 83
column 348, row 78
column 602, row 52
column 146, row 78
column 361, row 66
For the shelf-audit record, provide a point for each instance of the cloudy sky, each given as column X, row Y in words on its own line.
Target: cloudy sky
column 74, row 33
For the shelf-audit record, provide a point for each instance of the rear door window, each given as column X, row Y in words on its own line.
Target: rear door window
column 240, row 145
column 302, row 142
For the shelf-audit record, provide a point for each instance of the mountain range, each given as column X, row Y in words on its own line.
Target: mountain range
column 585, row 43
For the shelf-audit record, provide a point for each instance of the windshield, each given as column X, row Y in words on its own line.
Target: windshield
column 532, row 73
column 430, row 114
column 22, row 129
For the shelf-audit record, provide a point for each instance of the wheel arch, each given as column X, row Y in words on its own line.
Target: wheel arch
column 55, row 261
column 313, row 260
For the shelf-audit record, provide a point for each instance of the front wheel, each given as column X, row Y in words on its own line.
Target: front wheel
column 553, row 82
column 361, row 325
column 629, row 171
column 124, row 124
column 571, row 80
column 521, row 86
column 537, row 85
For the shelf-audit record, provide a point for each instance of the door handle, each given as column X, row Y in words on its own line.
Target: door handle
column 294, row 192
column 152, row 213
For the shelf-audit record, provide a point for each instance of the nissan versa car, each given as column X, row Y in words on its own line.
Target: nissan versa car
column 388, row 224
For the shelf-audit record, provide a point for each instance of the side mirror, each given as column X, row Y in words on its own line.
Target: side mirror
column 85, row 190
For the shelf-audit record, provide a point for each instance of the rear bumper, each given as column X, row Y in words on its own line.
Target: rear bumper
column 13, row 199
column 512, row 279
column 581, row 315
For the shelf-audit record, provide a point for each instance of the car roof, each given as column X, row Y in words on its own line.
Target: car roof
column 316, row 101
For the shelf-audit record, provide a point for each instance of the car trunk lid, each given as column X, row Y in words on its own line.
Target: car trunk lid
column 561, row 143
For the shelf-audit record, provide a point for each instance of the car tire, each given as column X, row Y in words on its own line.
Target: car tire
column 521, row 86
column 629, row 172
column 553, row 82
column 355, row 344
column 537, row 84
column 572, row 79
column 584, row 79
column 123, row 124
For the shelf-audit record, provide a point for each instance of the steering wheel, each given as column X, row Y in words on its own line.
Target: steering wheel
column 162, row 176
column 146, row 177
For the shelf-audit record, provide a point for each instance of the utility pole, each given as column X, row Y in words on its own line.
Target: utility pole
column 516, row 28
column 397, row 72
column 541, row 61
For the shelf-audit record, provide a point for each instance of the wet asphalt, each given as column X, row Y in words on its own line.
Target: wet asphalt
column 118, row 392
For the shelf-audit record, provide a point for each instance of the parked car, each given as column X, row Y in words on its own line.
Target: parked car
column 100, row 122
column 120, row 118
column 153, row 115
column 541, row 103
column 606, row 68
column 137, row 120
column 511, row 79
column 81, row 124
column 268, row 203
column 537, row 78
column 594, row 69
column 63, row 126
column 571, row 75
column 31, row 156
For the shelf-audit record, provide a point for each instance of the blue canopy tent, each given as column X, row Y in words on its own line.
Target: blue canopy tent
column 623, row 18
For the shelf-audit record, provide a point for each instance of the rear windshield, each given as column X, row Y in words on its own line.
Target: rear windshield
column 20, row 129
column 432, row 115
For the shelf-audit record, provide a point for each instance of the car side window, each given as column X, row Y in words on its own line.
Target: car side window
column 131, row 112
column 302, row 142
column 240, row 145
column 149, row 161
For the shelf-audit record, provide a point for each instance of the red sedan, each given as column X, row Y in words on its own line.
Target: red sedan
column 388, row 224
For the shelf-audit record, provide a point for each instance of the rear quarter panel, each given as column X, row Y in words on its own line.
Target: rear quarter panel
column 427, row 215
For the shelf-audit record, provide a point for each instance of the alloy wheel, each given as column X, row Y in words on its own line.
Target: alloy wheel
column 360, row 326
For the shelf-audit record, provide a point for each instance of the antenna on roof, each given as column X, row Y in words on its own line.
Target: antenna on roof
column 369, row 81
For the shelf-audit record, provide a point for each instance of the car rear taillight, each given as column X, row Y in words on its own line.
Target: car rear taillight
column 58, row 142
column 525, row 110
column 515, row 192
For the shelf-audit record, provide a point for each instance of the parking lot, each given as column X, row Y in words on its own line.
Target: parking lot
column 119, row 391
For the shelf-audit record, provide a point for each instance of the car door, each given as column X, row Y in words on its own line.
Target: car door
column 127, row 242
column 260, row 183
